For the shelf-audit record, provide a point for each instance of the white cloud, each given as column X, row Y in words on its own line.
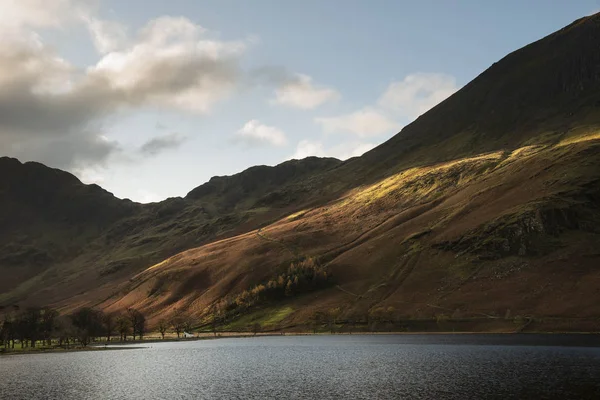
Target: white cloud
column 172, row 66
column 90, row 175
column 307, row 148
column 255, row 133
column 300, row 92
column 39, row 13
column 417, row 93
column 409, row 98
column 365, row 122
column 52, row 112
column 107, row 35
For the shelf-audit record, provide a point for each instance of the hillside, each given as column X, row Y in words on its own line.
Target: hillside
column 486, row 207
column 61, row 237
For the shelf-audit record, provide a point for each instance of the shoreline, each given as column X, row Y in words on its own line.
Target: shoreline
column 137, row 344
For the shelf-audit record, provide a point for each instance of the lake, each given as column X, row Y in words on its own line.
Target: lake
column 318, row 367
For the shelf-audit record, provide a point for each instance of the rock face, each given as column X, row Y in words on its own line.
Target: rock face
column 488, row 202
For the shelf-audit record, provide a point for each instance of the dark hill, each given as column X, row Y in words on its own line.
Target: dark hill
column 55, row 229
column 262, row 185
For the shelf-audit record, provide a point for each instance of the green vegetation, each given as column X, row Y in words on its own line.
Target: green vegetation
column 267, row 318
column 301, row 277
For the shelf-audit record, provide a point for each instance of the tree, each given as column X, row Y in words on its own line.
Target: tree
column 20, row 327
column 187, row 325
column 108, row 322
column 32, row 324
column 88, row 324
column 137, row 321
column 7, row 331
column 177, row 323
column 215, row 321
column 162, row 327
column 48, row 324
column 123, row 327
column 256, row 328
column 65, row 331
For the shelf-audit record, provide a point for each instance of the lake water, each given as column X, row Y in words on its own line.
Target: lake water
column 318, row 367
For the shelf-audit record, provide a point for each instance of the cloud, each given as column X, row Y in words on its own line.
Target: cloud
column 300, row 92
column 91, row 175
column 409, row 98
column 54, row 112
column 107, row 36
column 255, row 133
column 417, row 93
column 195, row 72
column 365, row 122
column 158, row 144
column 17, row 14
column 307, row 148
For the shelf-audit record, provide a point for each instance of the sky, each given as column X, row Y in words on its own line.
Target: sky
column 150, row 98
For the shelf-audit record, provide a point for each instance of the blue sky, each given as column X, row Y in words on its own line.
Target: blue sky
column 151, row 98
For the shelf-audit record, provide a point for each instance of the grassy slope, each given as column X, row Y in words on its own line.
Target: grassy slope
column 472, row 237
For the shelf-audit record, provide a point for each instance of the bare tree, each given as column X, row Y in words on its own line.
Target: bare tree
column 32, row 326
column 65, row 331
column 123, row 327
column 178, row 325
column 187, row 325
column 88, row 324
column 162, row 327
column 48, row 324
column 7, row 331
column 138, row 322
column 109, row 325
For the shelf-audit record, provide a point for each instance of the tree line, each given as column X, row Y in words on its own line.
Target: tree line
column 40, row 325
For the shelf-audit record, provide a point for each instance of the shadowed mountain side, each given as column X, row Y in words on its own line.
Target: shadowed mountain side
column 263, row 186
column 61, row 237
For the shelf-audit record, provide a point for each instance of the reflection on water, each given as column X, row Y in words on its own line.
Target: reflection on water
column 323, row 367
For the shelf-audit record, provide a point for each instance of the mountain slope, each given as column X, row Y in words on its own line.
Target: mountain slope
column 61, row 237
column 540, row 94
column 487, row 206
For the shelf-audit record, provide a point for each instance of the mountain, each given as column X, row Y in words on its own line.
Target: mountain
column 60, row 236
column 482, row 214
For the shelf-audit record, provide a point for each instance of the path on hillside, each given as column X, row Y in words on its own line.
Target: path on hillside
column 291, row 248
